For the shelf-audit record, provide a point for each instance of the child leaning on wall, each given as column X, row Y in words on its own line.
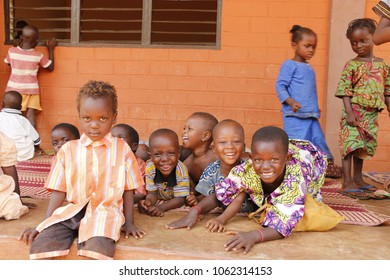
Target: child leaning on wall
column 25, row 61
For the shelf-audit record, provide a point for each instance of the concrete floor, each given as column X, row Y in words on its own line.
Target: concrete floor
column 342, row 242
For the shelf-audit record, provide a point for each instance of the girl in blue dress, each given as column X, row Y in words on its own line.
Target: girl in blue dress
column 297, row 91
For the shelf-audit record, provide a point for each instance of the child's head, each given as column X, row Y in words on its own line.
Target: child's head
column 62, row 133
column 198, row 130
column 12, row 100
column 304, row 42
column 228, row 136
column 29, row 36
column 97, row 105
column 127, row 133
column 143, row 152
column 20, row 24
column 164, row 150
column 359, row 33
column 270, row 153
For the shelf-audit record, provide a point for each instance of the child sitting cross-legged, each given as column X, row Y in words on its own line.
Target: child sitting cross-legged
column 166, row 177
column 131, row 136
column 96, row 175
column 229, row 145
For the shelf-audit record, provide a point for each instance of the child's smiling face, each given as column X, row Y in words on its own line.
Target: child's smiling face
column 269, row 160
column 96, row 117
column 228, row 142
column 164, row 153
column 193, row 132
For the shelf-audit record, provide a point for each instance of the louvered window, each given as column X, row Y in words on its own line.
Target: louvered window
column 126, row 22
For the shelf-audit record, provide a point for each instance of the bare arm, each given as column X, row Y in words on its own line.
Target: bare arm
column 246, row 240
column 173, row 203
column 351, row 117
column 128, row 210
column 382, row 32
column 11, row 171
column 51, row 43
column 56, row 200
column 233, row 208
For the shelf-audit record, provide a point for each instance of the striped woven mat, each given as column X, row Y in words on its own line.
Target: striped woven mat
column 354, row 212
column 32, row 177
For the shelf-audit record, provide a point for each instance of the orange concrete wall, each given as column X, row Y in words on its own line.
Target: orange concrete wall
column 162, row 87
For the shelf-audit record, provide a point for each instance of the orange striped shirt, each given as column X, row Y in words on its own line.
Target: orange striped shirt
column 94, row 174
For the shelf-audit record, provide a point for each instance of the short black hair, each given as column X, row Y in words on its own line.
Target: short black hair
column 129, row 130
column 97, row 90
column 12, row 99
column 208, row 119
column 297, row 31
column 359, row 23
column 75, row 132
column 163, row 132
column 271, row 134
column 229, row 121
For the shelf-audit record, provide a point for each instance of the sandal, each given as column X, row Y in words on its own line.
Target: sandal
column 333, row 171
column 355, row 193
column 380, row 194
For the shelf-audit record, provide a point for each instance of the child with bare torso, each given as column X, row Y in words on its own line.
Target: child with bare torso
column 197, row 136
column 229, row 144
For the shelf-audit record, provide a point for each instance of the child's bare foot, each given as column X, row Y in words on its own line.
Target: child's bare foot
column 364, row 185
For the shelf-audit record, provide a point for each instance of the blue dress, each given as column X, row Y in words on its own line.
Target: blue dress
column 298, row 81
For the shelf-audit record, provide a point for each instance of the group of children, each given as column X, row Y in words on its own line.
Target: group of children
column 103, row 173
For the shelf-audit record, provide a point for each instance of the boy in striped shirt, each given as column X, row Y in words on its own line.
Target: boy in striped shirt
column 97, row 174
column 167, row 177
column 25, row 61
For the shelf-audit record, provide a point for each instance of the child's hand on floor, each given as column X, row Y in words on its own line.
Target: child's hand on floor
column 156, row 211
column 241, row 240
column 143, row 206
column 131, row 229
column 188, row 221
column 28, row 235
column 215, row 225
column 191, row 199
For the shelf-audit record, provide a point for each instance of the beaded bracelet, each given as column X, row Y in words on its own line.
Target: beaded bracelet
column 197, row 209
column 262, row 236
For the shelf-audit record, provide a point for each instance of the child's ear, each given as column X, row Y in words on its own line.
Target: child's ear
column 114, row 118
column 134, row 146
column 288, row 157
column 206, row 136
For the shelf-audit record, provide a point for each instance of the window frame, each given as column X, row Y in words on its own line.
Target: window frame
column 145, row 36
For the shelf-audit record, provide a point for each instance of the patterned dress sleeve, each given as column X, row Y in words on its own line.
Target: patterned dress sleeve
column 345, row 86
column 287, row 203
column 206, row 184
column 387, row 81
column 150, row 173
column 182, row 188
column 229, row 188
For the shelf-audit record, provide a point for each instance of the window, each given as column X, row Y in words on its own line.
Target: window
column 101, row 22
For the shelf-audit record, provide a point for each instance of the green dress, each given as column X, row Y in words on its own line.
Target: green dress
column 366, row 83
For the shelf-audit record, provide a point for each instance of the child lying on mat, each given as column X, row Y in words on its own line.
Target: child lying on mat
column 280, row 173
column 166, row 177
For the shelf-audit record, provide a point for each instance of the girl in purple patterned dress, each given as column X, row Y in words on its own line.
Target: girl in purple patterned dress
column 280, row 173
